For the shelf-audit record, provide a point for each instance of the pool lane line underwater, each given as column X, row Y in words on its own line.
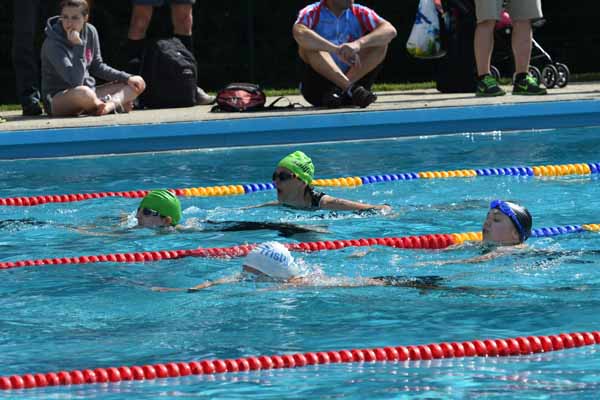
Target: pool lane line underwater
column 431, row 241
column 290, row 129
column 519, row 346
column 233, row 190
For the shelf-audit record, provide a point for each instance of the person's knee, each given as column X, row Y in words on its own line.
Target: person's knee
column 183, row 19
column 84, row 92
column 140, row 20
column 139, row 89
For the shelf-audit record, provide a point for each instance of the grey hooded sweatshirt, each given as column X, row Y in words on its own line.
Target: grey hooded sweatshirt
column 65, row 66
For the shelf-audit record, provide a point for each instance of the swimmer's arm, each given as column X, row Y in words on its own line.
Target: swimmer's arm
column 333, row 203
column 203, row 285
column 222, row 281
column 268, row 204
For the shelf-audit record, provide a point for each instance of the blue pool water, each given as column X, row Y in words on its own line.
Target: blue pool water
column 100, row 315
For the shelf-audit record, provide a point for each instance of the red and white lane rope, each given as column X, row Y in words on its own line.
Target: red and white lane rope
column 437, row 241
column 474, row 348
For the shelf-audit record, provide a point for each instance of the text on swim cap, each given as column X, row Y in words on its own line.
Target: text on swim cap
column 272, row 254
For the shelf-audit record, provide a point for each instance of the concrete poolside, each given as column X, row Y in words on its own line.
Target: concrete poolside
column 404, row 113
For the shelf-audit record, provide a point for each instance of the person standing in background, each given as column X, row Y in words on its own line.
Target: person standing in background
column 183, row 20
column 521, row 12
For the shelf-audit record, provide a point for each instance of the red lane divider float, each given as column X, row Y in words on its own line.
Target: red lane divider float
column 475, row 348
column 68, row 198
column 437, row 241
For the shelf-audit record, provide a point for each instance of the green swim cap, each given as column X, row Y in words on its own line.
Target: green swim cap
column 300, row 164
column 165, row 202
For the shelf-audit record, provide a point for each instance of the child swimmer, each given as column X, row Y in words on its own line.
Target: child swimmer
column 272, row 262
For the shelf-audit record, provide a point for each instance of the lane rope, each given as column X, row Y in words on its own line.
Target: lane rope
column 518, row 346
column 234, row 190
column 433, row 241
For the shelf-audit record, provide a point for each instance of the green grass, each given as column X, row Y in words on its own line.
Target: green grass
column 388, row 87
column 379, row 87
column 9, row 107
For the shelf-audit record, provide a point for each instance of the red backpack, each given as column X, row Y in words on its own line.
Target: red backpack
column 240, row 97
column 245, row 97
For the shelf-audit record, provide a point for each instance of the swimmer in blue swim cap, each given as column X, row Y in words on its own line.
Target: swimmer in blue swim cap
column 273, row 262
column 506, row 224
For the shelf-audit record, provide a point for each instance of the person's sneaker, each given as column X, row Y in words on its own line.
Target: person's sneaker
column 488, row 86
column 203, row 98
column 333, row 99
column 32, row 109
column 528, row 86
column 362, row 97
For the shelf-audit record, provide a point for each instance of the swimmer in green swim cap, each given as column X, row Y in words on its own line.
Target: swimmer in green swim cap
column 293, row 177
column 160, row 208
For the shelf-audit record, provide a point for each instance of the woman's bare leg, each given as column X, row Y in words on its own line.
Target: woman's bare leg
column 76, row 101
column 121, row 97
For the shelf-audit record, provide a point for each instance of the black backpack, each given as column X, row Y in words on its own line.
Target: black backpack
column 455, row 72
column 171, row 73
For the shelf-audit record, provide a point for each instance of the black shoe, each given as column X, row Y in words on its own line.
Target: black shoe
column 32, row 109
column 362, row 97
column 333, row 99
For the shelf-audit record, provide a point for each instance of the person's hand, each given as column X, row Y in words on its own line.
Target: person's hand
column 348, row 52
column 74, row 38
column 137, row 83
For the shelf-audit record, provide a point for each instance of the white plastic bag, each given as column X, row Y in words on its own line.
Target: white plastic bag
column 424, row 40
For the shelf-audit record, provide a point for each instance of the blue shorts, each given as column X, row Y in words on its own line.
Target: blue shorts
column 158, row 3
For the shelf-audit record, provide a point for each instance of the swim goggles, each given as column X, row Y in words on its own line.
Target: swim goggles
column 150, row 212
column 506, row 210
column 282, row 176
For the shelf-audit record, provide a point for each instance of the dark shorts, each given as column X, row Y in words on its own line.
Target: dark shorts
column 314, row 86
column 158, row 3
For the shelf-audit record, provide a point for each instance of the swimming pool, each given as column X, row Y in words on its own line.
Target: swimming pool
column 103, row 315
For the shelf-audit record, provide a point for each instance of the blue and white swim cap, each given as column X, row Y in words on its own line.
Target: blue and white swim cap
column 272, row 259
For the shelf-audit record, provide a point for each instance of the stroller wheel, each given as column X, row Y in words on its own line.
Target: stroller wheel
column 535, row 72
column 549, row 76
column 563, row 75
column 495, row 72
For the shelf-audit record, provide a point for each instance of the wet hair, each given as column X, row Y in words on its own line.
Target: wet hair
column 81, row 4
column 524, row 217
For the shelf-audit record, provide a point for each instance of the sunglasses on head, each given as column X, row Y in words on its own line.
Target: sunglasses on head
column 148, row 212
column 506, row 210
column 282, row 176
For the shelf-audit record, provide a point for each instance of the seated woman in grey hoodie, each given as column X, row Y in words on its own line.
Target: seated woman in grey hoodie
column 70, row 56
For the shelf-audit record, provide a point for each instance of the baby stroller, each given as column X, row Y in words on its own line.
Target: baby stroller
column 546, row 70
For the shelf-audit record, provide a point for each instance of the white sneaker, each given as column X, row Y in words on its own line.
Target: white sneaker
column 204, row 98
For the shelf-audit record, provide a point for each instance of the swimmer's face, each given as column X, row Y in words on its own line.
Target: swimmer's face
column 499, row 229
column 290, row 189
column 151, row 219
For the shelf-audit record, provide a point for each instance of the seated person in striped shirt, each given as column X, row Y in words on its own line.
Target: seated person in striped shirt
column 342, row 45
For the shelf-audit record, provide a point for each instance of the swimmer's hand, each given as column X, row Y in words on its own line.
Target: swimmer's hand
column 362, row 253
column 166, row 289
